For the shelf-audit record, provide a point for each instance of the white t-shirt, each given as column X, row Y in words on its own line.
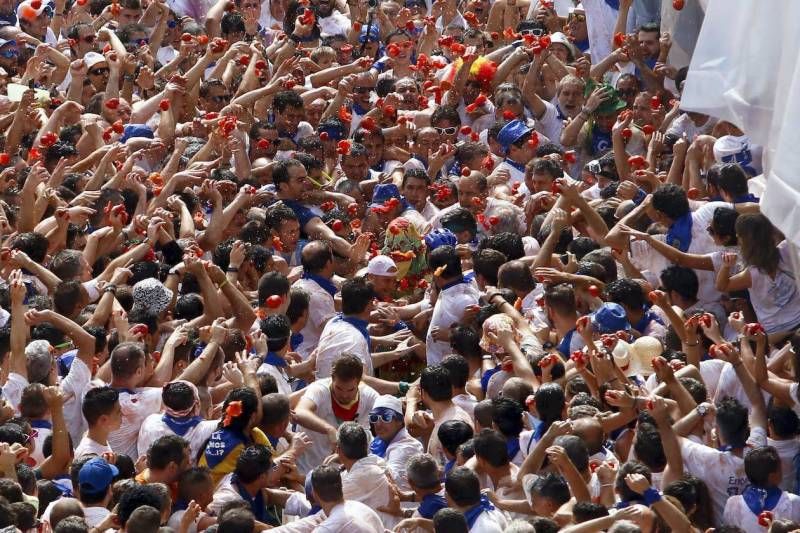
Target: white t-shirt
column 280, row 375
column 787, row 450
column 515, row 175
column 646, row 259
column 366, row 482
column 398, row 452
column 737, row 513
column 73, row 387
column 135, row 408
column 320, row 309
column 493, row 521
column 340, row 337
column 351, row 517
column 319, row 393
column 224, row 492
column 467, row 402
column 776, row 301
column 550, row 125
column 434, row 445
column 723, row 472
column 685, row 125
column 154, row 427
column 449, row 309
column 89, row 446
column 12, row 390
column 40, row 434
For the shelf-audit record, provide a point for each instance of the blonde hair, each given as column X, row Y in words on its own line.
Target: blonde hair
column 323, row 52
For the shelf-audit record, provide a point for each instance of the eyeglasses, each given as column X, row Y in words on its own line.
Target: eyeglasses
column 100, row 71
column 9, row 54
column 385, row 417
column 363, row 90
column 447, row 131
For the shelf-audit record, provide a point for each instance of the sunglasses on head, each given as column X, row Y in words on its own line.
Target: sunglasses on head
column 447, row 131
column 99, row 71
column 385, row 417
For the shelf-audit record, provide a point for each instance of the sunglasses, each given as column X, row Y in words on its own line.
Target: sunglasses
column 172, row 24
column 447, row 131
column 99, row 71
column 363, row 90
column 538, row 32
column 386, row 417
column 220, row 98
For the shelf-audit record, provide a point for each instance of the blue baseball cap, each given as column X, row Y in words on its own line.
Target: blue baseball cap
column 383, row 192
column 610, row 318
column 334, row 131
column 96, row 475
column 512, row 132
column 136, row 130
column 440, row 237
column 374, row 34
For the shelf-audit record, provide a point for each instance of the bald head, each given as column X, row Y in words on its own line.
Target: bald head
column 63, row 508
column 590, row 430
column 316, row 257
column 517, row 389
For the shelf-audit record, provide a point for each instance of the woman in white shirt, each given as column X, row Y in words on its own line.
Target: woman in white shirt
column 767, row 275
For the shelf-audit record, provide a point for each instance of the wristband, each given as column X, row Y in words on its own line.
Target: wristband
column 403, row 387
column 651, row 496
column 232, row 269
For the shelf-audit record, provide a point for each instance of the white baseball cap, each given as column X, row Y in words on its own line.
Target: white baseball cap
column 93, row 58
column 382, row 265
column 389, row 402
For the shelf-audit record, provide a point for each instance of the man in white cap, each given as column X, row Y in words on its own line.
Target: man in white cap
column 35, row 17
column 97, row 70
column 382, row 274
column 392, row 442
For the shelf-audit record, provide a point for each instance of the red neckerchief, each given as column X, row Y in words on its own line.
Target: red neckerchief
column 344, row 414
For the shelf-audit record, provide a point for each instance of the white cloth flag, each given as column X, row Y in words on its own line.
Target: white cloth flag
column 746, row 70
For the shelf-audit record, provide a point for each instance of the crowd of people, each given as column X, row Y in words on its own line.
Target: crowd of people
column 382, row 265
